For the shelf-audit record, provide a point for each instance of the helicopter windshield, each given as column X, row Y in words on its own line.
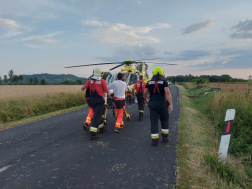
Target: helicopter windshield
column 133, row 79
column 127, row 77
column 111, row 79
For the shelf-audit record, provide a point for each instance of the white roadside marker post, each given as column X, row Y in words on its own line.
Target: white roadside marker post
column 226, row 135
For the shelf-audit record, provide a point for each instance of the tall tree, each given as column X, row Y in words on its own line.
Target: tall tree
column 0, row 80
column 5, row 79
column 11, row 73
column 30, row 80
column 43, row 82
column 21, row 78
column 15, row 79
column 35, row 81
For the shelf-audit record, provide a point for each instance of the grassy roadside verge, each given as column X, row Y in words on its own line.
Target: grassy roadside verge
column 197, row 158
column 22, row 108
column 36, row 118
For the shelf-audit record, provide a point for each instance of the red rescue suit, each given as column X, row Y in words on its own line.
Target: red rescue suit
column 97, row 88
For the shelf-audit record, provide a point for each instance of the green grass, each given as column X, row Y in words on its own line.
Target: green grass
column 215, row 106
column 18, row 109
column 198, row 143
column 40, row 117
column 198, row 90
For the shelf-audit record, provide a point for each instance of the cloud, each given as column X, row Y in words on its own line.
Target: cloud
column 242, row 60
column 189, row 55
column 43, row 38
column 10, row 24
column 196, row 27
column 132, row 52
column 34, row 46
column 95, row 23
column 11, row 34
column 167, row 53
column 162, row 25
column 123, row 34
column 243, row 30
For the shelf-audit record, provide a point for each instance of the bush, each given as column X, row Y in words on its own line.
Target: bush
column 200, row 81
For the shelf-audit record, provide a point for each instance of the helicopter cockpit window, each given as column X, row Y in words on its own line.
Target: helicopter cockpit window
column 133, row 79
column 112, row 79
column 127, row 76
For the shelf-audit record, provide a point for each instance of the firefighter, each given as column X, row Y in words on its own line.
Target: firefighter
column 139, row 86
column 119, row 88
column 90, row 110
column 97, row 87
column 160, row 104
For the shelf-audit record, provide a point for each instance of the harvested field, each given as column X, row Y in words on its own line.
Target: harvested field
column 23, row 91
column 242, row 88
column 24, row 101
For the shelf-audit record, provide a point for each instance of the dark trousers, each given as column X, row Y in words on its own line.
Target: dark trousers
column 159, row 110
column 140, row 100
column 97, row 105
column 88, row 102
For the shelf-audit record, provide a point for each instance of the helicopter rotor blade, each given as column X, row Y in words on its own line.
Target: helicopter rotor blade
column 94, row 64
column 116, row 67
column 147, row 59
column 160, row 63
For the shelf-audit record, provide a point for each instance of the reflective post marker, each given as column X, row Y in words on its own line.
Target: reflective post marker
column 226, row 135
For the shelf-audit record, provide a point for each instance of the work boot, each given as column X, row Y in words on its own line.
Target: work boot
column 93, row 136
column 122, row 126
column 117, row 130
column 154, row 142
column 165, row 139
column 86, row 127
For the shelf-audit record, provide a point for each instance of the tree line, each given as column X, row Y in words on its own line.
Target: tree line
column 208, row 78
column 12, row 79
column 19, row 80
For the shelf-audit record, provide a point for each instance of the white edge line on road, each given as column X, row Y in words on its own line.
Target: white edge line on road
column 4, row 168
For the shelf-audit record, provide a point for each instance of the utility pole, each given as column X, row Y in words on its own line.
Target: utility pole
column 250, row 80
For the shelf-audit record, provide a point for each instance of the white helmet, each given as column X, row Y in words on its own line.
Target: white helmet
column 97, row 74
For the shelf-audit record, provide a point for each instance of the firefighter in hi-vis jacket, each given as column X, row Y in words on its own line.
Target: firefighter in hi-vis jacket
column 97, row 87
column 139, row 86
column 160, row 104
column 119, row 88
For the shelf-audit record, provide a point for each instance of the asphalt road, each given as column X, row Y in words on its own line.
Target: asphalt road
column 57, row 153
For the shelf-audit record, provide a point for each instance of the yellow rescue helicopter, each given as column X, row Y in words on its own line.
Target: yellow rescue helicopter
column 132, row 76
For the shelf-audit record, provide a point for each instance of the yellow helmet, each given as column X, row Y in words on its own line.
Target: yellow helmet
column 157, row 70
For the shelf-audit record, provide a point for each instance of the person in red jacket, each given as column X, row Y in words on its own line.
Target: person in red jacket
column 97, row 87
column 140, row 86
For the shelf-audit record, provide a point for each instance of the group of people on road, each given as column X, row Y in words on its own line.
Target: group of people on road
column 160, row 103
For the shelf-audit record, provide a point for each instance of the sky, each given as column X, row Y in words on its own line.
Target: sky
column 201, row 37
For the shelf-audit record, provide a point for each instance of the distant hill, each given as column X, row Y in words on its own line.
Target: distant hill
column 54, row 78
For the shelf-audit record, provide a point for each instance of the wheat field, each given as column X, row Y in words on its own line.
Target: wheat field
column 243, row 88
column 24, row 91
